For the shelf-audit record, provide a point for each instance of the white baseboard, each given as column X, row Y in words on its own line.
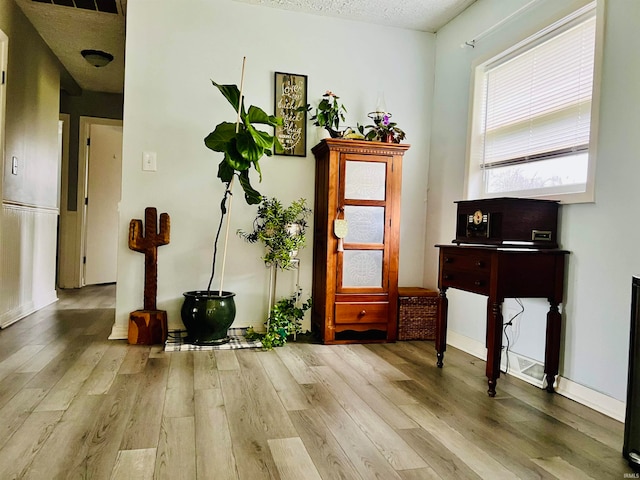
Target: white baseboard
column 119, row 332
column 586, row 396
column 12, row 316
column 591, row 398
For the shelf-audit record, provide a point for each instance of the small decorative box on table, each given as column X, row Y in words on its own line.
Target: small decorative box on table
column 417, row 311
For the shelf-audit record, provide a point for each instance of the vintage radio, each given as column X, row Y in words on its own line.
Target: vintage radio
column 523, row 222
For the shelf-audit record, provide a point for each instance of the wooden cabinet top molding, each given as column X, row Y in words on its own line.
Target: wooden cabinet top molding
column 360, row 146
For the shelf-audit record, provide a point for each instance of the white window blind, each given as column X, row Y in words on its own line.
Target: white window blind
column 535, row 119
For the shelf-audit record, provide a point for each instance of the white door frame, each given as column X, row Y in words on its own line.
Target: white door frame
column 66, row 236
column 4, row 50
column 83, row 171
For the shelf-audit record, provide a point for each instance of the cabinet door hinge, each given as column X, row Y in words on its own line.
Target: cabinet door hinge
column 3, row 77
column 84, row 260
column 86, row 200
column 88, row 142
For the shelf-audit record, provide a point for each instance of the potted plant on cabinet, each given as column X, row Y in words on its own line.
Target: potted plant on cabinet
column 329, row 113
column 281, row 230
column 383, row 130
column 207, row 314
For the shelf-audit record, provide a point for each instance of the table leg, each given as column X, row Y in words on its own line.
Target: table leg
column 441, row 326
column 552, row 347
column 494, row 343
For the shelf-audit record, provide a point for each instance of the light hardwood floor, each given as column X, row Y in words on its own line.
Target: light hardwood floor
column 76, row 405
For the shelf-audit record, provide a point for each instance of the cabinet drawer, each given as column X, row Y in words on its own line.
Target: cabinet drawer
column 476, row 282
column 477, row 261
column 362, row 312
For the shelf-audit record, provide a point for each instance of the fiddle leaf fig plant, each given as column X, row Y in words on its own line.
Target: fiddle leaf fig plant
column 242, row 143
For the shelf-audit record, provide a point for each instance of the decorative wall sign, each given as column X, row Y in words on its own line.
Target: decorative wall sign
column 290, row 94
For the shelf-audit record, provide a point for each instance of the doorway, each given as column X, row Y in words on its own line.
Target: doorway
column 99, row 153
column 103, row 191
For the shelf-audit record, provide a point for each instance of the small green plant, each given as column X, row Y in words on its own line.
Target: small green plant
column 383, row 130
column 281, row 230
column 329, row 113
column 285, row 319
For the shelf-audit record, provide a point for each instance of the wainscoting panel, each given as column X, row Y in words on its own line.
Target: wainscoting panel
column 27, row 261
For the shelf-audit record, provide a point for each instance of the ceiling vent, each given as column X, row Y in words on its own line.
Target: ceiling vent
column 107, row 6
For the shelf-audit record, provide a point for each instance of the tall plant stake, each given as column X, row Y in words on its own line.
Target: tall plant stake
column 226, row 235
column 243, row 145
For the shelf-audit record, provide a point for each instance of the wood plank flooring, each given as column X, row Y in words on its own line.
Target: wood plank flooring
column 76, row 405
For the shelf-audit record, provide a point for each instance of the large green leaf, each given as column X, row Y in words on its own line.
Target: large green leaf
column 248, row 148
column 219, row 139
column 232, row 94
column 225, row 171
column 257, row 115
column 276, row 144
column 262, row 139
column 235, row 158
column 251, row 196
column 256, row 165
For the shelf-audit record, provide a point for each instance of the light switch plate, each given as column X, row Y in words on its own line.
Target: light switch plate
column 14, row 165
column 149, row 161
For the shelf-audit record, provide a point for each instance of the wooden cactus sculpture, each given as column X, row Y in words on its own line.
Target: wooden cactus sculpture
column 149, row 326
column 148, row 244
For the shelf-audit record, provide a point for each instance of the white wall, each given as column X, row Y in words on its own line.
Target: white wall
column 602, row 236
column 170, row 106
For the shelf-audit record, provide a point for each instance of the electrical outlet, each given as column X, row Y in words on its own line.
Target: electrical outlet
column 149, row 161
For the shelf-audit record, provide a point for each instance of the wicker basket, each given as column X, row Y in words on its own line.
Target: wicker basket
column 417, row 313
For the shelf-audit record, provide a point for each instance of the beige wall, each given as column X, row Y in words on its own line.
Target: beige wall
column 30, row 199
column 33, row 102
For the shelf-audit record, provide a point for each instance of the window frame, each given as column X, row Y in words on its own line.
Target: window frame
column 474, row 184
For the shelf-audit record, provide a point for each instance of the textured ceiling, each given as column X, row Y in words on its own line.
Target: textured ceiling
column 423, row 15
column 68, row 30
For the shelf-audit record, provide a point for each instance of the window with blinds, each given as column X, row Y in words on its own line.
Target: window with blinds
column 532, row 113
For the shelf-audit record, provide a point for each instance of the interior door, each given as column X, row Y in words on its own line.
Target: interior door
column 104, row 180
column 363, row 266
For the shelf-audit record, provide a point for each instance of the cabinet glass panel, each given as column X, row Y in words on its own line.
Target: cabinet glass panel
column 365, row 224
column 365, row 180
column 362, row 268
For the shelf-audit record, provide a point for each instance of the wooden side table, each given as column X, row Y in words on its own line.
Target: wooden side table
column 500, row 273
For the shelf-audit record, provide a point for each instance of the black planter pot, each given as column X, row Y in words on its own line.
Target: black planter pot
column 207, row 316
column 333, row 133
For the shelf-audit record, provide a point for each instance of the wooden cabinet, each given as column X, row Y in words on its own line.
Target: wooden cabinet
column 355, row 279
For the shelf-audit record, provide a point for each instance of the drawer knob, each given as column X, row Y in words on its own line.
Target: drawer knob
column 447, row 260
column 446, row 276
column 362, row 313
column 479, row 263
column 478, row 283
